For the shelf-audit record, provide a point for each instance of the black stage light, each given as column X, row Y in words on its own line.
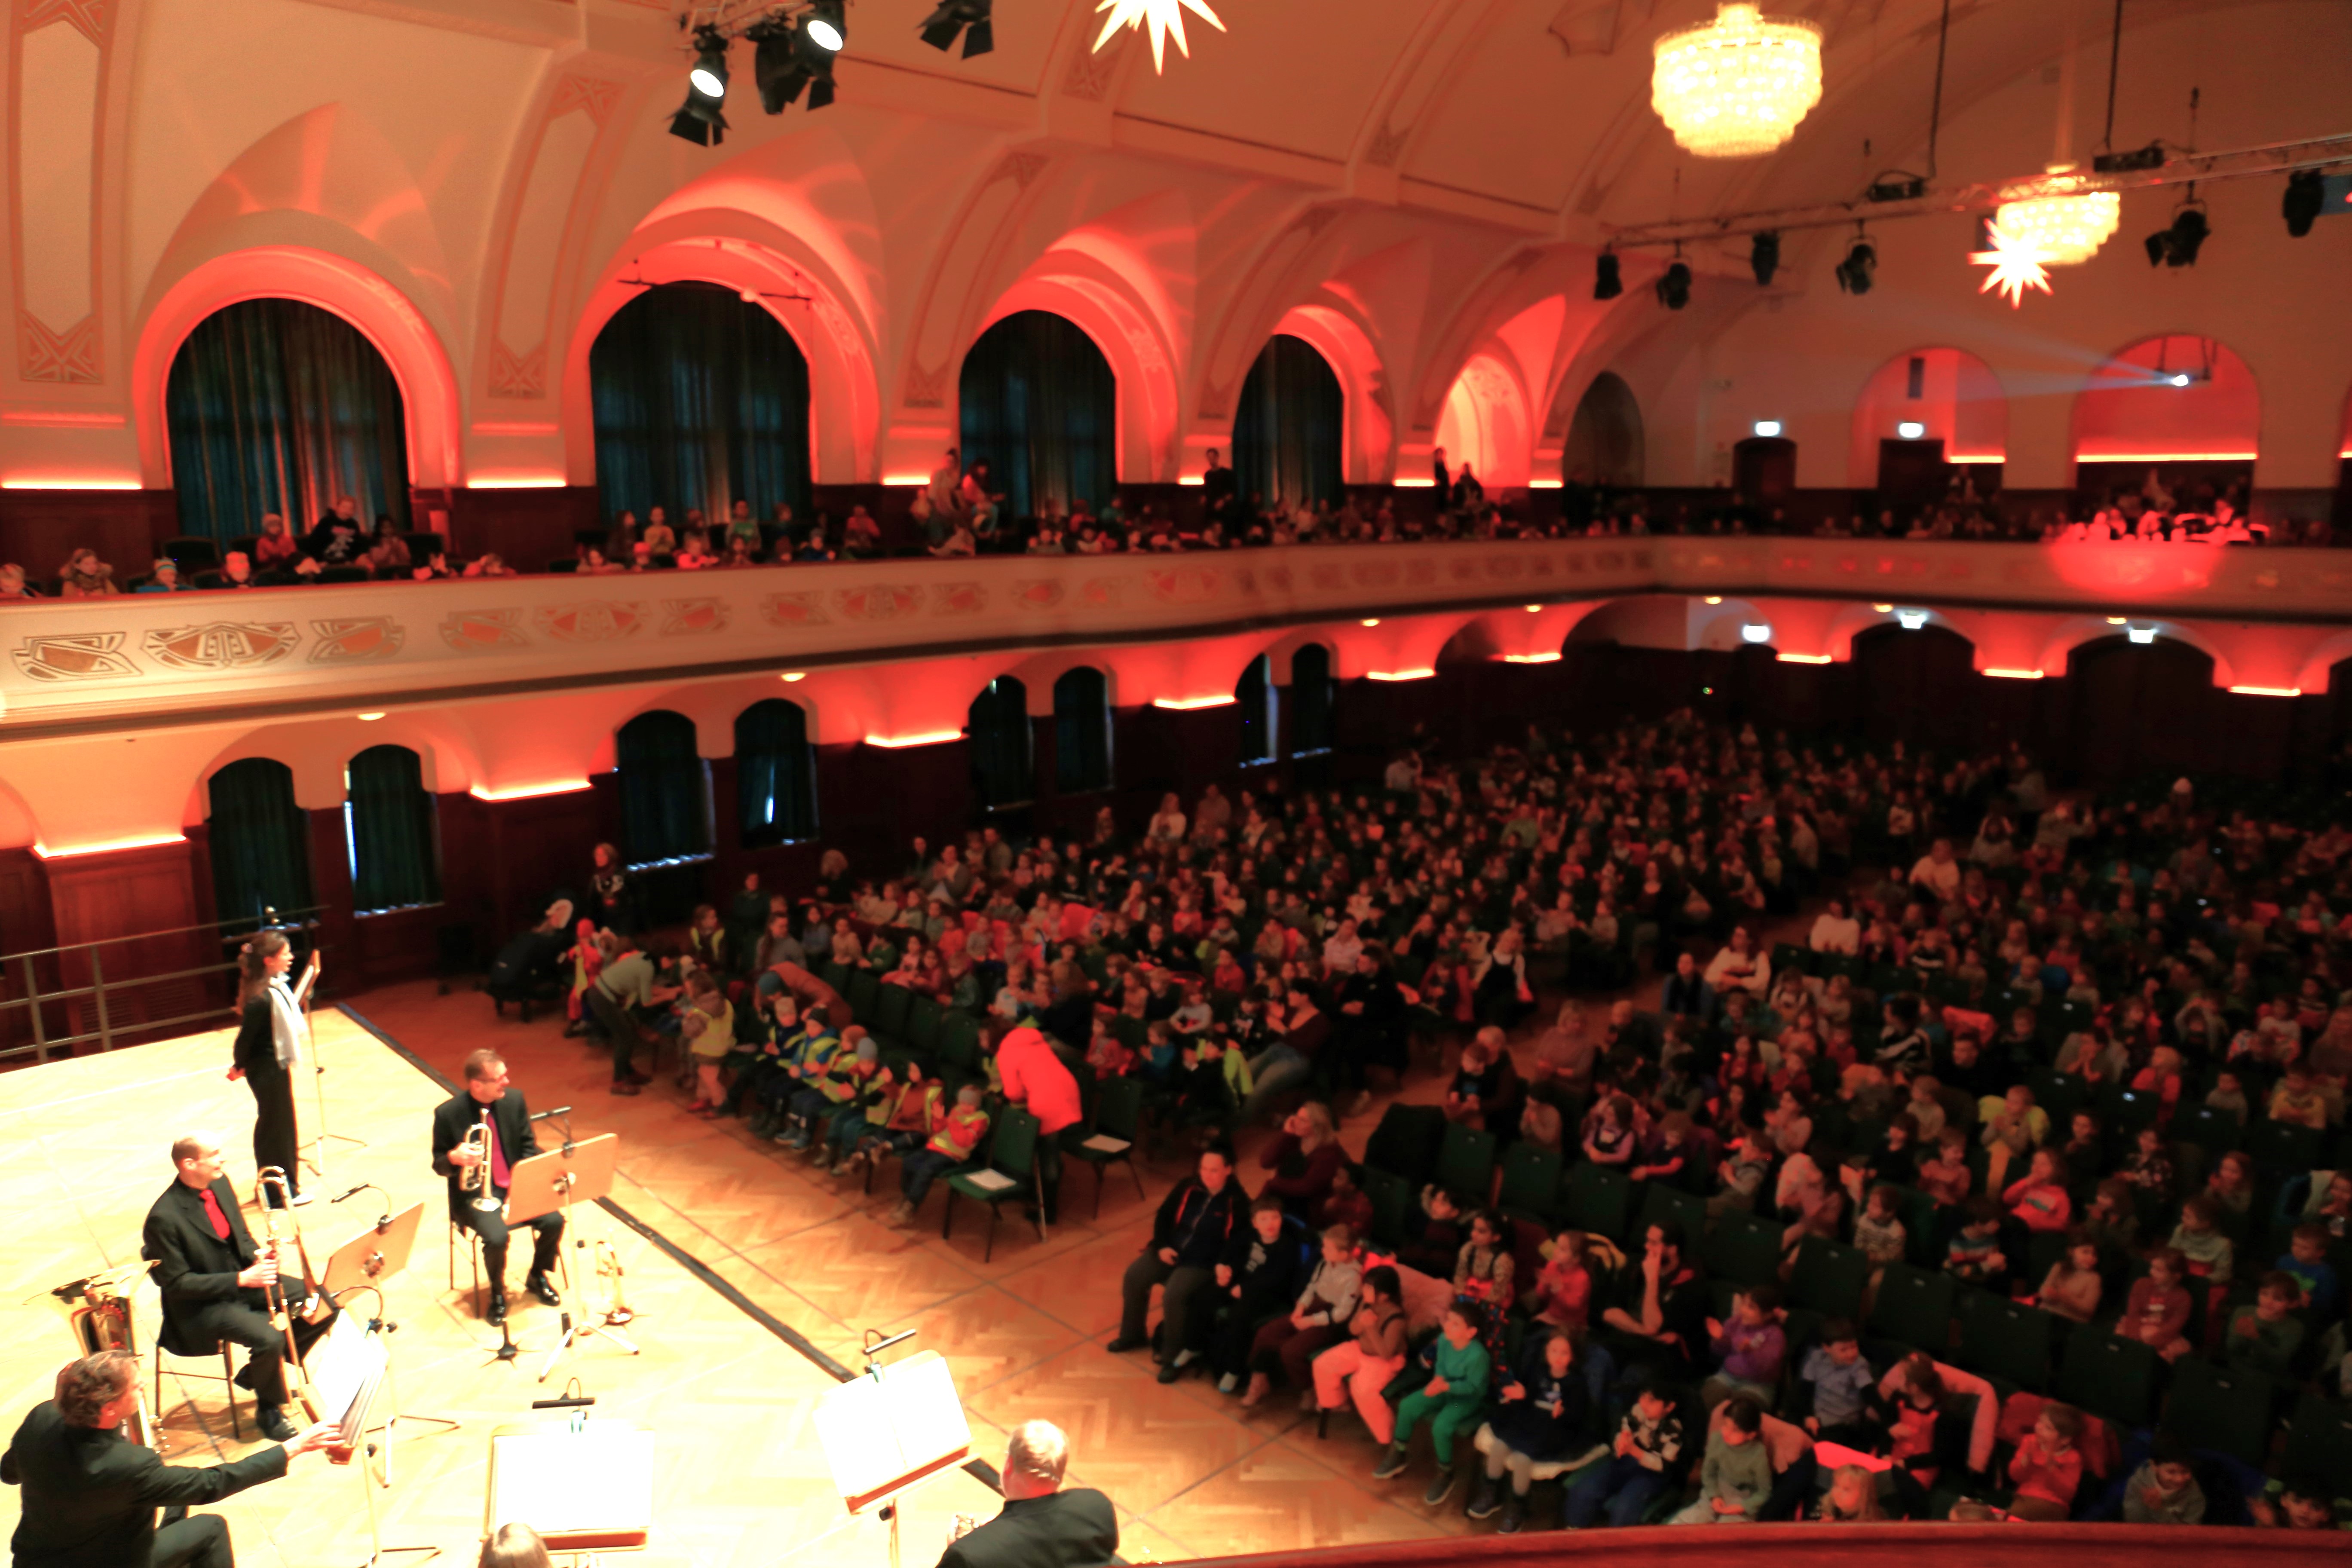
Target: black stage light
column 1764, row 256
column 700, row 118
column 2178, row 246
column 1859, row 270
column 1607, row 284
column 2306, row 190
column 776, row 65
column 1675, row 285
column 970, row 17
column 826, row 26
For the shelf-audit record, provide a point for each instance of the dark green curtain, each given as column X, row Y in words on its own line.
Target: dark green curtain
column 260, row 844
column 1040, row 404
column 1081, row 731
column 1312, row 698
column 701, row 399
column 276, row 405
column 1289, row 425
column 390, row 819
column 998, row 727
column 1255, row 695
column 775, row 775
column 665, row 790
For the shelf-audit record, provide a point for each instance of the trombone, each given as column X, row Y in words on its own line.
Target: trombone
column 477, row 1179
column 298, row 1376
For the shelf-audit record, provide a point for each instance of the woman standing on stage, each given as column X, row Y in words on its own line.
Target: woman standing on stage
column 270, row 1036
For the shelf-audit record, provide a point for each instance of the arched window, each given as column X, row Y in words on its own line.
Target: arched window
column 390, row 832
column 276, row 405
column 1313, row 697
column 775, row 775
column 1604, row 437
column 260, row 845
column 1289, row 425
column 665, row 791
column 1040, row 405
column 1081, row 731
column 998, row 727
column 1255, row 694
column 700, row 400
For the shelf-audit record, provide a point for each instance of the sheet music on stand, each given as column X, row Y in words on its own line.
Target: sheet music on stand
column 583, row 1485
column 886, row 1430
column 347, row 1366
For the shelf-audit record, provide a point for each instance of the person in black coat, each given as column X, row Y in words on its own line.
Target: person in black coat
column 1545, row 1415
column 529, row 968
column 214, row 1278
column 1197, row 1238
column 1276, row 1262
column 90, row 1495
column 270, row 1035
column 1367, row 1027
column 487, row 1093
column 1041, row 1526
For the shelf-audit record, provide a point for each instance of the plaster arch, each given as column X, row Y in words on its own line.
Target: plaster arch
column 1080, row 289
column 1486, row 421
column 317, row 752
column 1961, row 403
column 1367, row 436
column 377, row 308
column 2077, row 632
column 2126, row 413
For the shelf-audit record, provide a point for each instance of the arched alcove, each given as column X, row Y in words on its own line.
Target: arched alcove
column 1945, row 404
column 1003, row 756
column 700, row 398
column 1038, row 404
column 277, row 405
column 1604, row 437
column 2187, row 408
column 1290, row 425
column 1484, row 424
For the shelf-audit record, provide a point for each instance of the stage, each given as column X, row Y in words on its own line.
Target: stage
column 740, row 1478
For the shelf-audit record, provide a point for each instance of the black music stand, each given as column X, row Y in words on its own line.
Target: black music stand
column 560, row 1178
column 362, row 1266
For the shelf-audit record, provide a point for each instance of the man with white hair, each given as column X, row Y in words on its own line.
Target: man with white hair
column 1041, row 1526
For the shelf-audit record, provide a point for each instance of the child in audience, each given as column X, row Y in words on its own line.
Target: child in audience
column 1945, row 1175
column 2229, row 1094
column 1741, row 1173
column 1561, row 1296
column 1543, row 1414
column 909, row 1115
column 1912, row 1420
column 2038, row 1199
column 2198, row 1239
column 2265, row 1337
column 2047, row 1468
column 1840, row 1382
column 2073, row 1286
column 1751, row 1347
column 2164, row 1489
column 1852, row 1498
column 1273, row 1267
column 1736, row 1477
column 1879, row 1233
column 954, row 1142
column 2148, row 1168
column 1459, row 1368
column 1645, row 1460
column 1481, row 1269
column 2297, row 1100
column 1373, row 1354
column 2306, row 1263
column 1287, row 1347
column 1975, row 1252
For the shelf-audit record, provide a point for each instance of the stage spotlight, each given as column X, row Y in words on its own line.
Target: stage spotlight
column 2307, row 190
column 708, row 77
column 1859, row 270
column 1607, row 284
column 700, row 120
column 2178, row 246
column 970, row 17
column 827, row 26
column 1764, row 256
column 776, row 65
column 1674, row 285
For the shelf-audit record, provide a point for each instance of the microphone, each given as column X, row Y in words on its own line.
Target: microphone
column 570, row 1403
column 353, row 1194
column 544, row 1115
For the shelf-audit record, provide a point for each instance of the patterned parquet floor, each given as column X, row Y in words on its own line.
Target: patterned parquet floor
column 1192, row 1474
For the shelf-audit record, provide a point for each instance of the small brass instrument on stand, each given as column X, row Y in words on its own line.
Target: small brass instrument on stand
column 97, row 1312
column 609, row 1273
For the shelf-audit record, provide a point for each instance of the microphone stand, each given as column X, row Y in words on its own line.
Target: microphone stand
column 573, row 1328
column 317, row 1155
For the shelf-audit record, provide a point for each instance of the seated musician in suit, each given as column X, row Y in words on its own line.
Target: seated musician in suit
column 214, row 1280
column 90, row 1495
column 488, row 1094
column 1041, row 1526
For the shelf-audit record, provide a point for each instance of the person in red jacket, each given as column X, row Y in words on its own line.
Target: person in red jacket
column 1034, row 1077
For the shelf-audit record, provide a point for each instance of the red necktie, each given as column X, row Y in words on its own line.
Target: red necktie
column 497, row 1161
column 213, row 1213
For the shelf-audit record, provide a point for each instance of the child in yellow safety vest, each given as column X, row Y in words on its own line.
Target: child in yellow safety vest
column 955, row 1140
column 899, row 1122
column 855, row 1078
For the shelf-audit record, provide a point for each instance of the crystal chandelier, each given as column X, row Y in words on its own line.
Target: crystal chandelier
column 1735, row 87
column 2057, row 217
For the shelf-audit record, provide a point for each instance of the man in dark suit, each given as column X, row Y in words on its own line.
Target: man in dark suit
column 488, row 1093
column 1217, row 491
column 214, row 1278
column 1041, row 1526
column 90, row 1496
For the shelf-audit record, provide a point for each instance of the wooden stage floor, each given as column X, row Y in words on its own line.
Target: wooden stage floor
column 741, row 1479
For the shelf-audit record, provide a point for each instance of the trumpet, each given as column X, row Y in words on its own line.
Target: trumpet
column 477, row 1179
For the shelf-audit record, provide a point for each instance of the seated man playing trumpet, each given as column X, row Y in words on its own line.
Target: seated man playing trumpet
column 218, row 1285
column 479, row 1137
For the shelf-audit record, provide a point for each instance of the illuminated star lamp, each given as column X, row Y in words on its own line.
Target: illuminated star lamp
column 1164, row 17
column 1737, row 87
column 2016, row 265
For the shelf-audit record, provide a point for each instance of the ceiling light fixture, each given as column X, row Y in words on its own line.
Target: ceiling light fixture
column 1756, row 632
column 2066, row 223
column 700, row 120
column 970, row 17
column 1859, row 270
column 2306, row 192
column 1911, row 620
column 2143, row 636
column 827, row 26
column 1764, row 255
column 1910, row 429
column 1163, row 19
column 1607, row 281
column 1768, row 429
column 1673, row 284
column 2016, row 265
column 1737, row 87
column 2177, row 244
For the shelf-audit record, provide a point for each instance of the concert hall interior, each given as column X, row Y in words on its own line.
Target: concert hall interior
column 1427, row 781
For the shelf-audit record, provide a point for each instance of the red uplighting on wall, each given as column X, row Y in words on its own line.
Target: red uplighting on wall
column 1187, row 704
column 2267, row 691
column 2096, row 457
column 516, row 482
column 28, row 482
column 530, row 791
column 2013, row 674
column 107, row 845
column 1802, row 658
column 925, row 738
column 1528, row 658
column 1423, row 674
